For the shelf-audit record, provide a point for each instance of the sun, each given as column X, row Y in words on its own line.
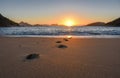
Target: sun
column 69, row 23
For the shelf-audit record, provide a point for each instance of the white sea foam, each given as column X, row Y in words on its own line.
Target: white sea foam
column 57, row 31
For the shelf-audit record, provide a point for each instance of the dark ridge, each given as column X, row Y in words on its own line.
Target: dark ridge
column 115, row 23
column 24, row 24
column 96, row 24
column 5, row 22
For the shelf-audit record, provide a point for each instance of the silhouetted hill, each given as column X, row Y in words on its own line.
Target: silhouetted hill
column 96, row 24
column 24, row 24
column 5, row 22
column 115, row 22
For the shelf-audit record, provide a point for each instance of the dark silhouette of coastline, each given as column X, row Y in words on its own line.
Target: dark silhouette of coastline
column 115, row 23
column 5, row 22
column 96, row 24
column 24, row 24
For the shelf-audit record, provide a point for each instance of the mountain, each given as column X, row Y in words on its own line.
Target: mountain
column 5, row 22
column 96, row 24
column 24, row 24
column 115, row 22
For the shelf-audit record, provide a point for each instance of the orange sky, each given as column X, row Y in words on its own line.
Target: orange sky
column 61, row 19
column 58, row 19
column 57, row 11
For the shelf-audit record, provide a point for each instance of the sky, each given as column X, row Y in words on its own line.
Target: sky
column 57, row 11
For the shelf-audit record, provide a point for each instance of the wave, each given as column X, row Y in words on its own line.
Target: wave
column 60, row 31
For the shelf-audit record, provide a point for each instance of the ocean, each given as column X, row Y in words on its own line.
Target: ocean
column 61, row 31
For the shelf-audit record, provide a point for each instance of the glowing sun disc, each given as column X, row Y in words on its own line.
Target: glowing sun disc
column 69, row 23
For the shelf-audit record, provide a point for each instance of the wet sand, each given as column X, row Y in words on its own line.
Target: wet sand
column 81, row 58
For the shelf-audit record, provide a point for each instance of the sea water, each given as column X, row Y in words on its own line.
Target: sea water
column 61, row 31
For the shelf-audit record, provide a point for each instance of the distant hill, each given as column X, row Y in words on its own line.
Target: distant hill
column 24, row 24
column 115, row 22
column 96, row 24
column 5, row 22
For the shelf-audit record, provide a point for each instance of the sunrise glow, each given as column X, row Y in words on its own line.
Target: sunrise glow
column 69, row 23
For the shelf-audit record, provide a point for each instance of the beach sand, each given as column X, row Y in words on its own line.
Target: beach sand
column 81, row 58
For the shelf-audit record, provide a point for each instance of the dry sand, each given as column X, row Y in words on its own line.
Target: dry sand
column 83, row 58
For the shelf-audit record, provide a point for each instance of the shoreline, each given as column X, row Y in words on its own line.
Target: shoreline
column 65, row 36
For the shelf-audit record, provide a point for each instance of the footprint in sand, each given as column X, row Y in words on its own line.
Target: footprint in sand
column 62, row 46
column 32, row 56
column 69, row 37
column 65, row 39
column 58, row 41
